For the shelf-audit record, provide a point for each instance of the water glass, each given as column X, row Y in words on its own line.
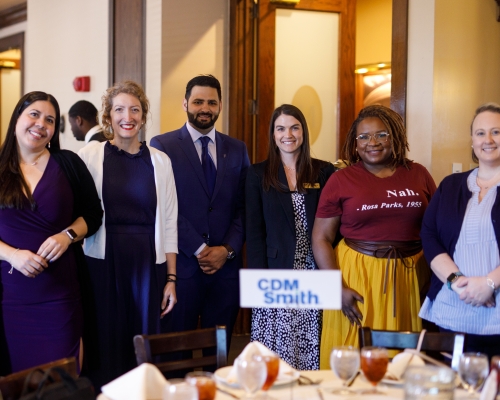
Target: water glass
column 473, row 369
column 344, row 361
column 181, row 391
column 251, row 375
column 495, row 364
column 429, row 382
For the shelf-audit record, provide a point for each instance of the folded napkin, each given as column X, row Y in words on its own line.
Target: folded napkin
column 145, row 382
column 400, row 362
column 255, row 348
column 489, row 391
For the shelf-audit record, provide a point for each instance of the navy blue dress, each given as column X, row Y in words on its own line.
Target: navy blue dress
column 127, row 284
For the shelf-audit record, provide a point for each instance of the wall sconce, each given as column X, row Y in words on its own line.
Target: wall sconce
column 286, row 2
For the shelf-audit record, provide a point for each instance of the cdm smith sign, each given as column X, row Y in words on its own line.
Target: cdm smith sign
column 274, row 288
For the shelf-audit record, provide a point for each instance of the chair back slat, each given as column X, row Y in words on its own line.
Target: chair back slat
column 453, row 343
column 11, row 385
column 148, row 347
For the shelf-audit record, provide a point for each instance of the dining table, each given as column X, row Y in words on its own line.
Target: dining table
column 318, row 385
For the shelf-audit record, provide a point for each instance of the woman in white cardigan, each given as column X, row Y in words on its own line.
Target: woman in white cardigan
column 132, row 258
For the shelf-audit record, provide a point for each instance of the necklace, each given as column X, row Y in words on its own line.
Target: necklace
column 289, row 168
column 36, row 159
column 487, row 183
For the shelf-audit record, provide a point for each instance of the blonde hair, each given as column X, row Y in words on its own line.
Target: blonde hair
column 128, row 87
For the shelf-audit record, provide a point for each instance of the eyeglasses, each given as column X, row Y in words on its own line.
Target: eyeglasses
column 380, row 137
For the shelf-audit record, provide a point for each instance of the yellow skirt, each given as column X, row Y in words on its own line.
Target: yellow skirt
column 365, row 275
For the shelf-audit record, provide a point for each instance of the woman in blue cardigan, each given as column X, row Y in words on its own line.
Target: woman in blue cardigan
column 460, row 236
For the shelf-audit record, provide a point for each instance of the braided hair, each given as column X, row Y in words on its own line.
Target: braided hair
column 395, row 128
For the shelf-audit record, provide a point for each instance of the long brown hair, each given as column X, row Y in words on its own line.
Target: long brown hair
column 395, row 128
column 307, row 171
column 491, row 107
column 13, row 186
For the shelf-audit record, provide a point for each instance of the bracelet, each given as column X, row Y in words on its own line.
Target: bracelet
column 490, row 283
column 10, row 261
column 172, row 280
column 175, row 276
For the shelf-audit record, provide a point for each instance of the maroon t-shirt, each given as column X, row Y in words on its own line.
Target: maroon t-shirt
column 378, row 209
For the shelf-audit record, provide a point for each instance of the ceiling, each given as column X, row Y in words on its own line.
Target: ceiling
column 4, row 4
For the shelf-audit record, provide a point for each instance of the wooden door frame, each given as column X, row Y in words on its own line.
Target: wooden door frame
column 15, row 42
column 243, row 91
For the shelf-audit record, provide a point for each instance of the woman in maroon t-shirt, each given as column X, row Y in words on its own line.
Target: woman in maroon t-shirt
column 378, row 204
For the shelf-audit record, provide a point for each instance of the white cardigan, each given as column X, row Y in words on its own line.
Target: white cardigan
column 166, row 202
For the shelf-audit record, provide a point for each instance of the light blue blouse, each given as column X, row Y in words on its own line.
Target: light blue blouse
column 476, row 254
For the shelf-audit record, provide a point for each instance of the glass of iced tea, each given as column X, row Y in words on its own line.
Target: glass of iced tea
column 204, row 383
column 272, row 362
column 374, row 362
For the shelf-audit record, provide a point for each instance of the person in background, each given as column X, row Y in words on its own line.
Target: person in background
column 210, row 170
column 83, row 119
column 378, row 203
column 132, row 258
column 460, row 234
column 282, row 195
column 48, row 202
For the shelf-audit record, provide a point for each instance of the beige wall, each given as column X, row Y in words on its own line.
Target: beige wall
column 444, row 90
column 195, row 40
column 373, row 31
column 65, row 39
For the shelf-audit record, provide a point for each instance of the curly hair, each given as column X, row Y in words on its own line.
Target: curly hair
column 490, row 107
column 395, row 128
column 128, row 87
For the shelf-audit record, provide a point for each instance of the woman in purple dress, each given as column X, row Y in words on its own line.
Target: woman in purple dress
column 48, row 202
column 132, row 258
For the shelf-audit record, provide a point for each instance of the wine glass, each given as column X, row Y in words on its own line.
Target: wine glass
column 204, row 384
column 344, row 361
column 181, row 391
column 251, row 375
column 272, row 362
column 473, row 371
column 374, row 362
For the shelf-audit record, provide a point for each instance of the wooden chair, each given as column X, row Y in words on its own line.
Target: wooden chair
column 147, row 347
column 453, row 343
column 11, row 385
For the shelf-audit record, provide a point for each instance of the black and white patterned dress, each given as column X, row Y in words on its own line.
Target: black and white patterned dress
column 294, row 334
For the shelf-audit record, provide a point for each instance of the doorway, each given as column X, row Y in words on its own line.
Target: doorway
column 11, row 77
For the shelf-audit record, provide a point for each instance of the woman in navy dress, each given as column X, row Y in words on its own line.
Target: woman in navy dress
column 132, row 258
column 48, row 202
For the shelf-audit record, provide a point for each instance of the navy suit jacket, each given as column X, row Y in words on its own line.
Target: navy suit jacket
column 215, row 220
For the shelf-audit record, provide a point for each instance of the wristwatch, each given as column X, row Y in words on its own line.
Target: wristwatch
column 71, row 234
column 230, row 252
column 452, row 278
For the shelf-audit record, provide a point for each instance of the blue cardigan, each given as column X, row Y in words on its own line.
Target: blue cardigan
column 443, row 220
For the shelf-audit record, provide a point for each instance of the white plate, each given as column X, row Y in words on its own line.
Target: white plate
column 222, row 373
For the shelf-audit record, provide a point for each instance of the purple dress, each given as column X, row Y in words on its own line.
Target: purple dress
column 127, row 284
column 42, row 316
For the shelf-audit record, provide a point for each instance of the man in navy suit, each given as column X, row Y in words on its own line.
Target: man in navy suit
column 210, row 170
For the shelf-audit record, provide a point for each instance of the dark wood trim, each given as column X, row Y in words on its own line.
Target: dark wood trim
column 399, row 61
column 128, row 40
column 14, row 15
column 15, row 42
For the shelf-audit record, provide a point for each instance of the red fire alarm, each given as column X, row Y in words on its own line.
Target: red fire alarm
column 82, row 83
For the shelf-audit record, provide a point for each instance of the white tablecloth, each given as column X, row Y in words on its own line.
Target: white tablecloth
column 328, row 382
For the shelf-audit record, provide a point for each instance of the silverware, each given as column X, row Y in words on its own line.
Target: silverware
column 320, row 394
column 228, row 393
column 304, row 380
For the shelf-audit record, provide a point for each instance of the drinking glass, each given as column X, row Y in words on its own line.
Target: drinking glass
column 495, row 364
column 473, row 371
column 272, row 362
column 374, row 362
column 344, row 361
column 204, row 384
column 251, row 375
column 429, row 382
column 181, row 391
